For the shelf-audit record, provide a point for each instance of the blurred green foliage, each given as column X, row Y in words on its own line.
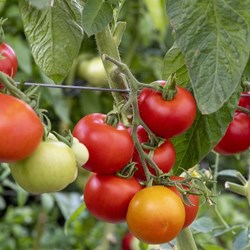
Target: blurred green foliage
column 37, row 222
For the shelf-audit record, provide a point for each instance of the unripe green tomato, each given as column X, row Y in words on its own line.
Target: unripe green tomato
column 93, row 72
column 80, row 151
column 50, row 168
column 51, row 137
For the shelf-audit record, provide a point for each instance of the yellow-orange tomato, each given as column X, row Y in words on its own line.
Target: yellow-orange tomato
column 155, row 215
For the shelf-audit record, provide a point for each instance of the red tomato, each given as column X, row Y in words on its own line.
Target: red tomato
column 237, row 137
column 8, row 60
column 110, row 148
column 155, row 215
column 107, row 197
column 167, row 118
column 20, row 129
column 245, row 100
column 127, row 241
column 190, row 210
column 164, row 156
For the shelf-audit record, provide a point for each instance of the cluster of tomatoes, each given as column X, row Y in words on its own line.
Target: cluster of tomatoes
column 237, row 137
column 32, row 154
column 154, row 214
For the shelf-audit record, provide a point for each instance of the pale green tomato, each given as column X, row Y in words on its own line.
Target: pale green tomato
column 75, row 175
column 80, row 151
column 50, row 168
column 51, row 137
column 93, row 71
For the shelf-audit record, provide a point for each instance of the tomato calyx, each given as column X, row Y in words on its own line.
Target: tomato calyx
column 128, row 171
column 169, row 89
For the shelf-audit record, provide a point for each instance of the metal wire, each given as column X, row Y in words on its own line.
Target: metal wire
column 77, row 87
column 47, row 85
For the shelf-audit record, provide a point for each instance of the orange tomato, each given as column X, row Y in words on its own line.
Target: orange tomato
column 155, row 215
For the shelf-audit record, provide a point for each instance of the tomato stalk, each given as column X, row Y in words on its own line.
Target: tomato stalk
column 169, row 89
column 10, row 85
column 136, row 120
column 107, row 45
column 243, row 190
column 185, row 240
column 242, row 109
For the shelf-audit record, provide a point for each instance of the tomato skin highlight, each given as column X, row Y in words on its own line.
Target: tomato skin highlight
column 190, row 210
column 237, row 136
column 164, row 156
column 107, row 196
column 110, row 148
column 155, row 215
column 167, row 118
column 21, row 130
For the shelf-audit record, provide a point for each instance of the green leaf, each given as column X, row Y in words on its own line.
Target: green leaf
column 242, row 240
column 174, row 63
column 67, row 202
column 40, row 4
column 192, row 146
column 212, row 247
column 54, row 34
column 229, row 172
column 74, row 216
column 203, row 225
column 214, row 38
column 95, row 16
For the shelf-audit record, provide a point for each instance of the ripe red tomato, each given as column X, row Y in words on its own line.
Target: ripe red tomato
column 110, row 148
column 190, row 210
column 155, row 215
column 8, row 60
column 127, row 241
column 164, row 156
column 245, row 100
column 167, row 118
column 107, row 196
column 237, row 137
column 20, row 129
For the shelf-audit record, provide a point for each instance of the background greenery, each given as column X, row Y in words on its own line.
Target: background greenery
column 38, row 222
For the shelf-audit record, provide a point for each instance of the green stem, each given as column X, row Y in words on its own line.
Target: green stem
column 10, row 85
column 134, row 86
column 242, row 109
column 185, row 240
column 216, row 168
column 215, row 206
column 107, row 45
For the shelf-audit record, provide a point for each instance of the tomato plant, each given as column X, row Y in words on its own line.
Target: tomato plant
column 155, row 215
column 167, row 118
column 107, row 196
column 191, row 208
column 20, row 129
column 236, row 138
column 104, row 143
column 50, row 168
column 8, row 60
column 163, row 155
